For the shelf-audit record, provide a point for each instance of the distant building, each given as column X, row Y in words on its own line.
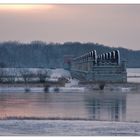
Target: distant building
column 67, row 61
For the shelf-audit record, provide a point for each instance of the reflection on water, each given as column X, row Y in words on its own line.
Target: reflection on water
column 95, row 105
column 107, row 107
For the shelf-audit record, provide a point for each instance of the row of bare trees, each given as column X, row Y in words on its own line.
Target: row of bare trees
column 24, row 75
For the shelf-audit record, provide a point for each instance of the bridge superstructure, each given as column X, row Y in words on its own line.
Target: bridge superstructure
column 105, row 67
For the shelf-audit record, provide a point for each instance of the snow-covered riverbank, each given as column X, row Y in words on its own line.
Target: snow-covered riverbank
column 68, row 128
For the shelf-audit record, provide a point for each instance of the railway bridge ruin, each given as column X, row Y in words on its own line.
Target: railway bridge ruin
column 105, row 67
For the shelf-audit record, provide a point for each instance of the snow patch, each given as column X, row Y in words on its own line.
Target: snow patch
column 68, row 128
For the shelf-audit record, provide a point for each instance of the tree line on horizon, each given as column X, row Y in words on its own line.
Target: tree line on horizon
column 39, row 54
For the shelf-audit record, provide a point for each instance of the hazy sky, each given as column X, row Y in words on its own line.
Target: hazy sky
column 113, row 25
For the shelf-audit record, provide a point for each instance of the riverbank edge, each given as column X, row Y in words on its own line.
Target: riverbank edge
column 68, row 128
column 81, row 84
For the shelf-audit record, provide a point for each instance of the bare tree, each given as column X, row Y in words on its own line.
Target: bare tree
column 26, row 75
column 10, row 79
column 10, row 75
column 2, row 74
column 42, row 75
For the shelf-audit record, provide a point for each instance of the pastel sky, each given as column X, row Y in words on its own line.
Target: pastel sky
column 113, row 25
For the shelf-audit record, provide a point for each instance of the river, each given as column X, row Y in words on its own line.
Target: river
column 90, row 105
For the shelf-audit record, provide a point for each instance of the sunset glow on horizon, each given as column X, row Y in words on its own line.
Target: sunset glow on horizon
column 23, row 7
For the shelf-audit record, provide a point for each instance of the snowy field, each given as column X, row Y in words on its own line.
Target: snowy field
column 68, row 128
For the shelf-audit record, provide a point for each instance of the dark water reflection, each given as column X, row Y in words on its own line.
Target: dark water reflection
column 93, row 105
column 107, row 107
